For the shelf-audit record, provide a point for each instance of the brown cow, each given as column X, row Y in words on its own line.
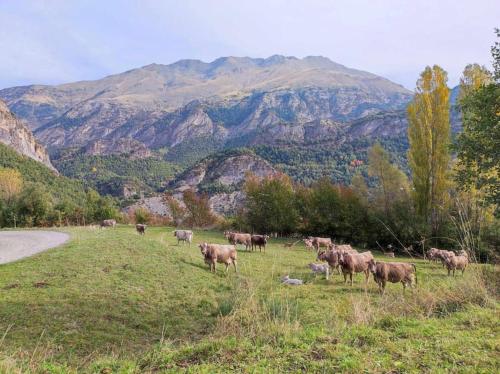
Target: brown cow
column 108, row 223
column 331, row 257
column 318, row 242
column 308, row 243
column 221, row 253
column 238, row 238
column 345, row 248
column 259, row 240
column 351, row 263
column 141, row 229
column 456, row 262
column 393, row 272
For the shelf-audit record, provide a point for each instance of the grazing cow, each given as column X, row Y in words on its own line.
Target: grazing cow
column 293, row 282
column 320, row 269
column 351, row 263
column 308, row 243
column 238, row 238
column 331, row 257
column 108, row 223
column 456, row 263
column 393, row 272
column 318, row 242
column 345, row 248
column 389, row 254
column 259, row 240
column 184, row 236
column 141, row 229
column 221, row 253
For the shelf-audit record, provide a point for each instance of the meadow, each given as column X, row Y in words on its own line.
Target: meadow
column 111, row 301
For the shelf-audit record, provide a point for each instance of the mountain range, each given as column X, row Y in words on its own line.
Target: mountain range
column 309, row 117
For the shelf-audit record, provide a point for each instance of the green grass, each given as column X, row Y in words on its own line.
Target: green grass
column 126, row 303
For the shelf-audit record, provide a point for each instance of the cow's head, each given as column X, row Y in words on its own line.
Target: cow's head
column 203, row 248
column 321, row 256
column 175, row 232
column 266, row 237
column 372, row 266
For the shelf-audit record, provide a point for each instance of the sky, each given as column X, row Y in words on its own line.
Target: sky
column 59, row 41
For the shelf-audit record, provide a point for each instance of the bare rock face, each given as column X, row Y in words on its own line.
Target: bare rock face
column 129, row 146
column 16, row 135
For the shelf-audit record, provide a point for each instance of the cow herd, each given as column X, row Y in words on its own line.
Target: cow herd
column 342, row 258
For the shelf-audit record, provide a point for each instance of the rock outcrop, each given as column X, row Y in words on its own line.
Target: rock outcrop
column 16, row 135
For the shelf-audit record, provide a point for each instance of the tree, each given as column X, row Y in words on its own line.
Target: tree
column 199, row 213
column 429, row 138
column 270, row 204
column 11, row 184
column 177, row 211
column 142, row 215
column 478, row 145
column 473, row 78
column 35, row 204
column 392, row 183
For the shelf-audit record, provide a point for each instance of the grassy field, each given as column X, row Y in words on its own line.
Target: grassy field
column 110, row 301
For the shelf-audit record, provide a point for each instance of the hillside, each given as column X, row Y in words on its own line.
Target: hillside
column 32, row 171
column 16, row 135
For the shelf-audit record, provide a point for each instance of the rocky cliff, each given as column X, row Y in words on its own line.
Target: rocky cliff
column 16, row 135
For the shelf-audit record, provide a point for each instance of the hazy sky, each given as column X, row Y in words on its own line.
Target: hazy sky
column 56, row 41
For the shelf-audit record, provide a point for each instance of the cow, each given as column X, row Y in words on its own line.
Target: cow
column 389, row 254
column 393, row 272
column 259, row 240
column 345, row 248
column 108, row 223
column 141, row 229
column 331, row 257
column 184, row 236
column 351, row 263
column 456, row 262
column 320, row 269
column 318, row 242
column 238, row 238
column 221, row 253
column 291, row 281
column 308, row 243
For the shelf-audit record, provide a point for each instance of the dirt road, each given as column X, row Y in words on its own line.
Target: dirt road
column 15, row 245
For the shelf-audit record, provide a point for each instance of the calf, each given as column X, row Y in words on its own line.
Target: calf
column 320, row 269
column 456, row 263
column 393, row 272
column 259, row 240
column 184, row 236
column 351, row 263
column 293, row 282
column 221, row 253
column 141, row 229
column 318, row 242
column 108, row 223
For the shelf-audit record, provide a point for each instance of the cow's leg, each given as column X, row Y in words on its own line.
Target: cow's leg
column 453, row 271
column 235, row 268
column 345, row 278
column 227, row 267
column 449, row 272
column 327, row 272
column 383, row 287
column 350, row 276
column 367, row 276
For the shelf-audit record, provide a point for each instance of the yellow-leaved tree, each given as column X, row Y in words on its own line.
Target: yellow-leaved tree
column 11, row 184
column 429, row 138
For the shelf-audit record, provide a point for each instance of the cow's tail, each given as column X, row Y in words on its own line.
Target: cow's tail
column 415, row 269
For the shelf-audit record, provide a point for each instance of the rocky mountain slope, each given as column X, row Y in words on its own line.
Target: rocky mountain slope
column 230, row 100
column 16, row 135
